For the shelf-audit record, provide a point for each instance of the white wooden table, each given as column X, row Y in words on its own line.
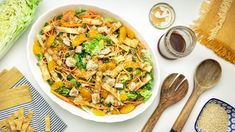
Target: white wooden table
column 136, row 13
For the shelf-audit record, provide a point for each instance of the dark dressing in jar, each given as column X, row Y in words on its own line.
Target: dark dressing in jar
column 177, row 42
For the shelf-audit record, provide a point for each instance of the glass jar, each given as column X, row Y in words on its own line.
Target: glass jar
column 177, row 42
column 162, row 15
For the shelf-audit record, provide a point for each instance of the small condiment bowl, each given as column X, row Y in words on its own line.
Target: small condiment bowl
column 228, row 108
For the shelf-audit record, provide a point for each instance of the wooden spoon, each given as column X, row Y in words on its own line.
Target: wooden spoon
column 207, row 75
column 174, row 88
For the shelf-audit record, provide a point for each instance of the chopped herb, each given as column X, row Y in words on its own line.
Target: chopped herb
column 41, row 32
column 67, row 55
column 69, row 77
column 109, row 104
column 63, row 91
column 84, row 25
column 70, row 47
column 50, row 82
column 137, row 71
column 143, row 75
column 78, row 84
column 101, row 99
column 59, row 17
column 105, row 60
column 53, row 45
column 129, row 69
column 124, row 86
column 59, row 75
column 46, row 24
column 58, row 34
column 39, row 56
column 75, row 83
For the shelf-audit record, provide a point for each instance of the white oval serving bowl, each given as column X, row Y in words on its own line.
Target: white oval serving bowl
column 32, row 60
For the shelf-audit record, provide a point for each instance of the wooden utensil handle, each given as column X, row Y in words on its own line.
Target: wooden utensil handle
column 148, row 127
column 184, row 114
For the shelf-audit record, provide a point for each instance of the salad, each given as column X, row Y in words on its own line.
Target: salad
column 95, row 62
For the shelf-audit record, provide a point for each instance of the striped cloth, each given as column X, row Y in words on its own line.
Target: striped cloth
column 40, row 107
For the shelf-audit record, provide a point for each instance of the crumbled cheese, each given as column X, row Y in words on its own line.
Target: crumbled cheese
column 132, row 86
column 70, row 62
column 91, row 65
column 73, row 92
column 95, row 98
column 118, row 85
column 66, row 41
column 105, row 51
column 103, row 29
column 109, row 99
column 78, row 49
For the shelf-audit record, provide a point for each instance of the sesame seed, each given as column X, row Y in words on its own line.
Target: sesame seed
column 213, row 118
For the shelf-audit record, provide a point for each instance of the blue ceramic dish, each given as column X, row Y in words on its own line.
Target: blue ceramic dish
column 230, row 111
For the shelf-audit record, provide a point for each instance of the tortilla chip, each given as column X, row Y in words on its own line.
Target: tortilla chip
column 9, row 79
column 5, row 129
column 27, row 121
column 47, row 123
column 30, row 129
column 3, row 72
column 14, row 97
column 18, row 123
column 12, row 124
column 3, row 123
column 113, row 91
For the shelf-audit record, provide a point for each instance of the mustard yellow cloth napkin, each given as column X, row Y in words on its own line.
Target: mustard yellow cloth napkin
column 215, row 27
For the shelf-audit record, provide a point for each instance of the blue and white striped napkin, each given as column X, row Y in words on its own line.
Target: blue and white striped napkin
column 40, row 107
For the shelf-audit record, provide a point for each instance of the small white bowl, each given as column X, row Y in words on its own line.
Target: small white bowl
column 32, row 60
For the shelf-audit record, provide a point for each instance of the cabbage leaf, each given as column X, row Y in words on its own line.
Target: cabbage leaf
column 15, row 16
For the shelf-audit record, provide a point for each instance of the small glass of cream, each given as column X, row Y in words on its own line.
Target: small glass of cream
column 162, row 15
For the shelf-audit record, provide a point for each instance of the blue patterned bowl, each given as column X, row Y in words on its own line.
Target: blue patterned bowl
column 230, row 111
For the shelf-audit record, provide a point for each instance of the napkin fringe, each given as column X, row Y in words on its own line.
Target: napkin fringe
column 208, row 39
column 204, row 9
column 222, row 13
column 217, row 46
